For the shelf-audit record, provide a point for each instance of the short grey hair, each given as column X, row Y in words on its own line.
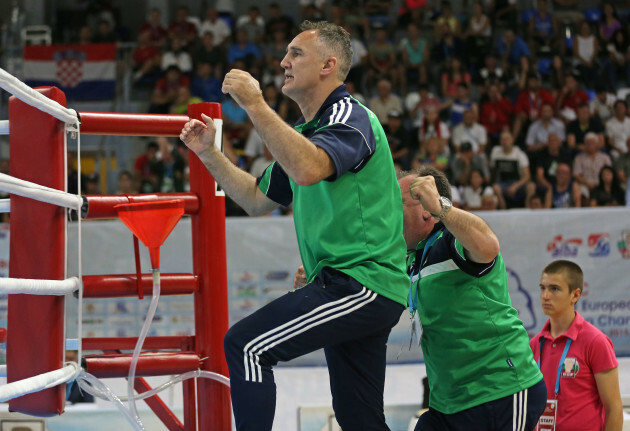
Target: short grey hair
column 336, row 40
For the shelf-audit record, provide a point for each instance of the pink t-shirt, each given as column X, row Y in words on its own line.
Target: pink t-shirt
column 591, row 352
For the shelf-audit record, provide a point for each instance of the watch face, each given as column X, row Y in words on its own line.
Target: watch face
column 446, row 201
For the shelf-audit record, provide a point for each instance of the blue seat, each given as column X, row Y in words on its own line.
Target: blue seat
column 593, row 15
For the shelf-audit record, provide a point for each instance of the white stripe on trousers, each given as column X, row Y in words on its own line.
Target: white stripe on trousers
column 519, row 413
column 298, row 325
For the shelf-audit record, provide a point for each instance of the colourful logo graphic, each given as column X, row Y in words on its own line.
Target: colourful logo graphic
column 559, row 247
column 624, row 244
column 599, row 245
column 570, row 367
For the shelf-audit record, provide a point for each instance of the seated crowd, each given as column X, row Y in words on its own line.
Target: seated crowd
column 518, row 108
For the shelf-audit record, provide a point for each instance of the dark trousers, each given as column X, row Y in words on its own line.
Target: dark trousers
column 335, row 312
column 517, row 412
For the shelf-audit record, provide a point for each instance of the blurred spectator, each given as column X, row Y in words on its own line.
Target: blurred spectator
column 539, row 131
column 543, row 28
column 565, row 191
column 352, row 90
column 91, row 185
column 504, row 10
column 104, row 33
column 183, row 99
column 424, row 99
column 622, row 168
column 244, row 50
column 557, row 76
column 496, row 113
column 382, row 59
column 144, row 168
column 155, row 28
column 279, row 21
column 276, row 101
column 447, row 47
column 454, row 74
column 535, row 200
column 206, row 85
column 475, row 191
column 616, row 64
column 217, row 26
column 433, row 127
column 609, row 191
column 479, row 34
column 262, row 162
column 235, row 122
column 570, row 98
column 169, row 169
column 446, row 18
column 183, row 28
column 602, row 105
column 465, row 162
column 274, row 51
column 253, row 23
column 510, row 172
column 415, row 52
column 549, row 159
column 317, row 8
column 225, row 8
column 254, row 148
column 431, row 153
column 385, row 101
column 489, row 73
column 588, row 163
column 470, row 131
column 411, row 11
column 583, row 124
column 399, row 140
column 126, row 184
column 358, row 67
column 461, row 103
column 529, row 103
column 85, row 35
column 177, row 55
column 377, row 12
column 585, row 53
column 147, row 59
column 618, row 129
column 511, row 48
column 208, row 52
column 609, row 23
column 165, row 90
column 71, row 168
column 567, row 10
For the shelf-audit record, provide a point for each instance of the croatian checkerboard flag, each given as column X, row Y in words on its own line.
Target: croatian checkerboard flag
column 82, row 72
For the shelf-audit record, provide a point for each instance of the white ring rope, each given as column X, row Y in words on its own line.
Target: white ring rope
column 35, row 191
column 5, row 205
column 39, row 383
column 38, row 287
column 4, row 127
column 34, row 98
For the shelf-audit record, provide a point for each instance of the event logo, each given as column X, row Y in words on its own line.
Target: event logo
column 559, row 247
column 599, row 244
column 69, row 67
column 570, row 367
column 624, row 244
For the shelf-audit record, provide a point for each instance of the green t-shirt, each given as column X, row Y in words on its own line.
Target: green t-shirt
column 353, row 221
column 475, row 347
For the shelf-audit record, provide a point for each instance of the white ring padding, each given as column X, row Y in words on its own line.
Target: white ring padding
column 40, row 193
column 3, row 370
column 38, row 287
column 34, row 98
column 38, row 383
column 5, row 205
column 4, row 127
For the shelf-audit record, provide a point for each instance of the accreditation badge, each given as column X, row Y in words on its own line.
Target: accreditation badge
column 547, row 421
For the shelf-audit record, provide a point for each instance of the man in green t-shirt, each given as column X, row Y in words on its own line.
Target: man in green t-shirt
column 336, row 169
column 482, row 374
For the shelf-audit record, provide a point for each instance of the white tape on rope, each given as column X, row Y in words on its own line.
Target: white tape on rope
column 40, row 193
column 27, row 95
column 38, row 287
column 5, row 205
column 3, row 370
column 4, row 127
column 38, row 383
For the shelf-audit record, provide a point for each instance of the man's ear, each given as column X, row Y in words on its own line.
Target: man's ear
column 576, row 294
column 329, row 66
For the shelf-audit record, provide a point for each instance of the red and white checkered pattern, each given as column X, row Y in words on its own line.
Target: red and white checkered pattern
column 69, row 72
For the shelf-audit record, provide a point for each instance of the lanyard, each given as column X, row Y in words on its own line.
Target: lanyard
column 413, row 297
column 562, row 358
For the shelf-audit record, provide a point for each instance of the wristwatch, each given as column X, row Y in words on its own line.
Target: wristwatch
column 446, row 207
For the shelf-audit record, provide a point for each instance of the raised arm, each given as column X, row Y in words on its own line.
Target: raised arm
column 238, row 184
column 480, row 243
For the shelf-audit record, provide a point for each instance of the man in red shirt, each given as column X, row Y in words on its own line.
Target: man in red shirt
column 496, row 113
column 577, row 361
column 570, row 98
column 529, row 103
